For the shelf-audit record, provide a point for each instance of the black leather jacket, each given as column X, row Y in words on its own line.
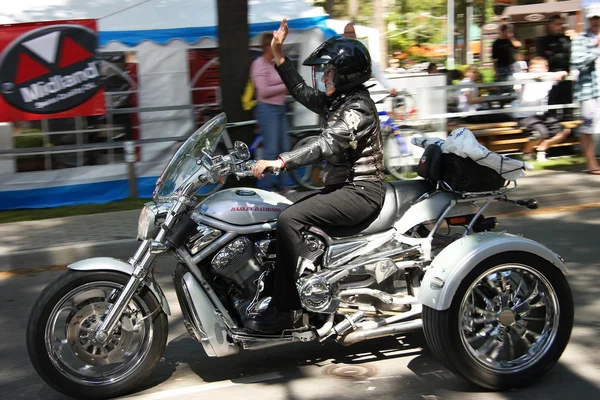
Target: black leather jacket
column 351, row 138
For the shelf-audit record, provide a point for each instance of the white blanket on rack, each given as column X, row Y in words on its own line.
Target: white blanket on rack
column 462, row 142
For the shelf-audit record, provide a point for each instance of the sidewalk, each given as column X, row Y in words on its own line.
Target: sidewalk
column 60, row 241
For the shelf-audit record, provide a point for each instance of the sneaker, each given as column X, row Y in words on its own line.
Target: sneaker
column 541, row 156
column 527, row 157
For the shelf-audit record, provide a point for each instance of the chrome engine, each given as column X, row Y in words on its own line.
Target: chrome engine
column 376, row 282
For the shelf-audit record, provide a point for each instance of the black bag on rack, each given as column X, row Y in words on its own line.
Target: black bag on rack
column 461, row 174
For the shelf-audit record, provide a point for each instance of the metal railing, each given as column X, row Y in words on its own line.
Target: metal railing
column 128, row 146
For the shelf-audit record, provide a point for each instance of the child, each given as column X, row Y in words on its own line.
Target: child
column 545, row 129
column 469, row 100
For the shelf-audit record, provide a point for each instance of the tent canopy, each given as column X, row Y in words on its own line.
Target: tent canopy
column 540, row 12
column 132, row 21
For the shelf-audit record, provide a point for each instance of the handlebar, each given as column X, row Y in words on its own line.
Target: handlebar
column 245, row 170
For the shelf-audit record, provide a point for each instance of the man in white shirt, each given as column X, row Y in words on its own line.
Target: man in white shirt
column 376, row 71
column 545, row 128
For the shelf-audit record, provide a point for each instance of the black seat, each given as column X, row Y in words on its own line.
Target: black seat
column 398, row 197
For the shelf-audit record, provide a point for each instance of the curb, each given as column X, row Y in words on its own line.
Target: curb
column 47, row 258
column 67, row 254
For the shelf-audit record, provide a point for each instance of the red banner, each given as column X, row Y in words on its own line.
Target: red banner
column 49, row 70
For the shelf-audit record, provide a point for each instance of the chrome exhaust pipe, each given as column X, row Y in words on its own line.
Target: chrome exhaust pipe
column 393, row 329
column 385, row 327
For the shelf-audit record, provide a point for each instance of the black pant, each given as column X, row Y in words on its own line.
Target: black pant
column 561, row 93
column 335, row 206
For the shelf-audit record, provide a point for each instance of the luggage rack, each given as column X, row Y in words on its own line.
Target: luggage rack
column 464, row 197
column 442, row 185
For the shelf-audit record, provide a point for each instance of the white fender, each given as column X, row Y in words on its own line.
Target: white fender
column 454, row 263
column 112, row 264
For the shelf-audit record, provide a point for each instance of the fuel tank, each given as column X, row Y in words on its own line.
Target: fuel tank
column 243, row 206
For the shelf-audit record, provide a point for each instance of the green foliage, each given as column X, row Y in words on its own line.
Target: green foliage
column 487, row 75
column 29, row 141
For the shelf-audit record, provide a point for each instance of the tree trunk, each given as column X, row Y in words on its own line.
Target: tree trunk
column 329, row 7
column 234, row 60
column 379, row 19
column 353, row 9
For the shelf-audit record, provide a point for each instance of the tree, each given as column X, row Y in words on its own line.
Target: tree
column 234, row 60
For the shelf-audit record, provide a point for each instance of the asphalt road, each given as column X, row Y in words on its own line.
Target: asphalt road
column 390, row 368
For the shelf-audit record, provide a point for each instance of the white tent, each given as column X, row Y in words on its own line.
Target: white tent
column 161, row 32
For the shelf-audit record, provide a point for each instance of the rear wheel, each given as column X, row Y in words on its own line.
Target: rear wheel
column 508, row 324
column 62, row 345
column 400, row 155
column 309, row 176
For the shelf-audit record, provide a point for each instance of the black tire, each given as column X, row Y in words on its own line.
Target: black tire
column 309, row 176
column 39, row 355
column 405, row 168
column 443, row 334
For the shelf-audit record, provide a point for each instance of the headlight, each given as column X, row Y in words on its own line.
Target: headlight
column 151, row 217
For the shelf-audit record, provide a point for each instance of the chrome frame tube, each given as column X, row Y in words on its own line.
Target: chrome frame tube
column 481, row 209
column 220, row 311
column 213, row 246
column 239, row 229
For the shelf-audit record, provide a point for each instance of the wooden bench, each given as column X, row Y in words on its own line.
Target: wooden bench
column 509, row 137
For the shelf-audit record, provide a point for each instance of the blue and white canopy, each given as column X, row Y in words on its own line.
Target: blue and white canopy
column 131, row 22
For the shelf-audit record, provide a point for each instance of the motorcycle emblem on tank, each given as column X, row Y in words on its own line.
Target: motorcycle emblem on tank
column 244, row 207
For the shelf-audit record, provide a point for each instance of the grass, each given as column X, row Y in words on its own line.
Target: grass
column 67, row 211
column 559, row 163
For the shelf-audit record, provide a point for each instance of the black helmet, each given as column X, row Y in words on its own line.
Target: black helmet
column 349, row 58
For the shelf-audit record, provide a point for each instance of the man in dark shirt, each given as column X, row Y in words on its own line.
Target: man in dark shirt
column 556, row 48
column 503, row 53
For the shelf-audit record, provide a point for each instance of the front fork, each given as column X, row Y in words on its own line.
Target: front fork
column 141, row 262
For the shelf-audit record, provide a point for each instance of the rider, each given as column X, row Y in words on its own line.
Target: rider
column 351, row 144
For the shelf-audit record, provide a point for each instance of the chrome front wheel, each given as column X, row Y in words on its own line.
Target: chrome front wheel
column 61, row 336
column 509, row 322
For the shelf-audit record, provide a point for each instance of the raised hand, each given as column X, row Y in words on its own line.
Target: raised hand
column 280, row 34
column 278, row 38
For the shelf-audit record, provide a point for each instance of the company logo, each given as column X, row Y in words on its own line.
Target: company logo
column 243, row 192
column 50, row 69
column 264, row 209
column 534, row 17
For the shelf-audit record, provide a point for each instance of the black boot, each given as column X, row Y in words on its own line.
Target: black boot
column 271, row 321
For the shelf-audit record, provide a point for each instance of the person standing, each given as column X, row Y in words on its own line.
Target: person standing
column 350, row 32
column 556, row 48
column 270, row 111
column 584, row 54
column 503, row 53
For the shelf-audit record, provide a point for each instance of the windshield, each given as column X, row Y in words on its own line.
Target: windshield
column 184, row 166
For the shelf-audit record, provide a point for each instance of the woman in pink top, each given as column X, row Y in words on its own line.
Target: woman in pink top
column 270, row 111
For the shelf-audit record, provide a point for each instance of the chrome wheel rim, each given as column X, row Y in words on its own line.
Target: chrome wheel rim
column 70, row 341
column 509, row 318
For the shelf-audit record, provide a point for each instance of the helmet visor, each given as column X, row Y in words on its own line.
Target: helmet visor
column 324, row 77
